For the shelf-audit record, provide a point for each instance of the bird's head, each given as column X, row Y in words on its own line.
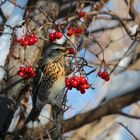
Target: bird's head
column 53, row 53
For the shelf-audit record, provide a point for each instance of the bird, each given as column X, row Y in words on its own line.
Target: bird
column 49, row 81
column 6, row 115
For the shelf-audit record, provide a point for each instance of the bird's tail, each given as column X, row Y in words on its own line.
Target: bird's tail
column 33, row 115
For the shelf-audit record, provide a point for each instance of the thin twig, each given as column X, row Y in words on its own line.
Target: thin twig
column 128, row 115
column 128, row 130
column 123, row 56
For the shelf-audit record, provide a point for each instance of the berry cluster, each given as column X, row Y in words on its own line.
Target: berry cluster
column 71, row 31
column 78, row 82
column 104, row 75
column 27, row 40
column 55, row 35
column 26, row 71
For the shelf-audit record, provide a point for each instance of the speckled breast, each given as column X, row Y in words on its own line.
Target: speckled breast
column 53, row 81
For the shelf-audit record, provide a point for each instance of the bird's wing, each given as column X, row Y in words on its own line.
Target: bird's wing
column 36, row 83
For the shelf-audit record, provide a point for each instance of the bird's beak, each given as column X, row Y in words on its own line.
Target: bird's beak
column 66, row 51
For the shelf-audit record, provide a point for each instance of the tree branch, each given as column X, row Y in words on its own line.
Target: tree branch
column 128, row 115
column 109, row 108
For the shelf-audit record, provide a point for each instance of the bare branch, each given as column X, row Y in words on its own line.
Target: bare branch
column 128, row 115
column 126, row 128
column 111, row 107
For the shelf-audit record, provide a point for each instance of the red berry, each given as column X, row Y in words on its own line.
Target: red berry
column 72, row 79
column 58, row 35
column 29, row 69
column 82, row 91
column 67, row 82
column 81, row 14
column 36, row 39
column 31, row 74
column 104, row 74
column 31, row 41
column 74, row 83
column 26, row 40
column 52, row 37
column 84, row 86
column 25, row 43
column 83, row 80
column 70, row 32
column 87, row 86
column 107, row 78
column 71, row 51
column 99, row 73
column 21, row 74
column 32, row 35
column 67, row 79
column 78, row 87
column 78, row 30
column 21, row 41
column 68, row 85
column 76, row 78
column 22, row 69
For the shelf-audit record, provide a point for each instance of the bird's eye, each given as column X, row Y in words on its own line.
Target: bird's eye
column 58, row 50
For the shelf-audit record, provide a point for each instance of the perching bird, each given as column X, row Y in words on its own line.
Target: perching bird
column 49, row 81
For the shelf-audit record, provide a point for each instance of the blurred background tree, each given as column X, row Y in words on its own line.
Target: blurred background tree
column 108, row 41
